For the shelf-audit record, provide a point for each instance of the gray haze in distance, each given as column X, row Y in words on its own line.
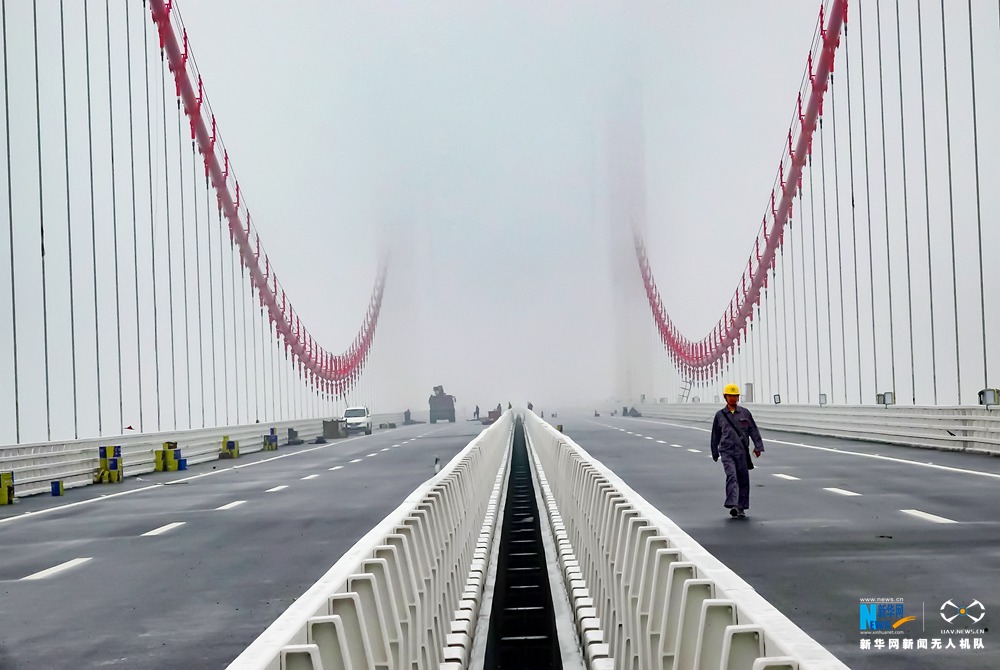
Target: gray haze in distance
column 471, row 135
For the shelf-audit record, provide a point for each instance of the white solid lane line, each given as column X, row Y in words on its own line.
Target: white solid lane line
column 111, row 496
column 336, row 467
column 164, row 529
column 308, row 477
column 927, row 517
column 231, row 505
column 56, row 569
column 695, row 451
column 892, row 459
column 842, row 492
column 356, row 460
column 277, row 488
column 789, row 477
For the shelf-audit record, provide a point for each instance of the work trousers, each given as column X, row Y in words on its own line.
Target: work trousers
column 737, row 479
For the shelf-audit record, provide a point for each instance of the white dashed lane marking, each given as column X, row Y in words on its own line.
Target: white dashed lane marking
column 842, row 492
column 788, row 477
column 370, row 455
column 309, row 477
column 927, row 517
column 677, row 446
column 277, row 488
column 56, row 569
column 336, row 467
column 235, row 503
column 695, row 451
column 356, row 460
column 164, row 529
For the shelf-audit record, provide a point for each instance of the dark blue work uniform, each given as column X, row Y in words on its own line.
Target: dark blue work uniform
column 726, row 445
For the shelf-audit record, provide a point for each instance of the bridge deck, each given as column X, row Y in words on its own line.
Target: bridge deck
column 197, row 594
column 813, row 553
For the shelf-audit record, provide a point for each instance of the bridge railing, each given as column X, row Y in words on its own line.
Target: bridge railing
column 75, row 462
column 407, row 594
column 962, row 428
column 644, row 587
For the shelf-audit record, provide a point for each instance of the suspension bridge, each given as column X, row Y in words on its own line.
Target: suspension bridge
column 149, row 336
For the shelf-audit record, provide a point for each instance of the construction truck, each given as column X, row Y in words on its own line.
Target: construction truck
column 442, row 406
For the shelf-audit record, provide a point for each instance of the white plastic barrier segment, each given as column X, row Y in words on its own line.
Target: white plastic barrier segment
column 390, row 601
column 589, row 629
column 657, row 597
column 459, row 639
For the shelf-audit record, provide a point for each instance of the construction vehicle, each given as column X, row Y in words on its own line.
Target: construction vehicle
column 492, row 417
column 442, row 406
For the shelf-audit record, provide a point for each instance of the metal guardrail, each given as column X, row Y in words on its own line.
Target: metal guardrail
column 646, row 594
column 408, row 593
column 37, row 464
column 969, row 429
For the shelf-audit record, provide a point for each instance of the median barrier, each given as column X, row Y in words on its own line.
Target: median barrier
column 968, row 428
column 645, row 594
column 408, row 593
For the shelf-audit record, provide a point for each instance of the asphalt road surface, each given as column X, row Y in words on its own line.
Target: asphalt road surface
column 187, row 575
column 827, row 527
column 147, row 575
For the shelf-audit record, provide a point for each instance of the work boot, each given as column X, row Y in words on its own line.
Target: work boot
column 733, row 512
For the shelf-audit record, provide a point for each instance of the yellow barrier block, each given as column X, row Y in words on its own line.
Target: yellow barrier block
column 6, row 488
column 230, row 448
column 112, row 466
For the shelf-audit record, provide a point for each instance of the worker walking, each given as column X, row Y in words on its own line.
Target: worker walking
column 732, row 430
column 476, row 414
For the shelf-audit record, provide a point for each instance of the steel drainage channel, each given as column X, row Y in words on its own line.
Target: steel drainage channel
column 522, row 631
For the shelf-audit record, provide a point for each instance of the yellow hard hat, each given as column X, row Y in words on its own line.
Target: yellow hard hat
column 731, row 389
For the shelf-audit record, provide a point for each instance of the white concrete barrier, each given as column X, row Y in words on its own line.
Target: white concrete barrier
column 646, row 595
column 963, row 428
column 405, row 594
column 75, row 462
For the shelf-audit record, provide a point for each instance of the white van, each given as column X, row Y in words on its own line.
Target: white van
column 358, row 418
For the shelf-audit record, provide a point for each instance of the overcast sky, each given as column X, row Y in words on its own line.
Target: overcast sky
column 473, row 141
column 475, row 131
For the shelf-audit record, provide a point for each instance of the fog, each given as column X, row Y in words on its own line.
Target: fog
column 499, row 153
column 474, row 137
